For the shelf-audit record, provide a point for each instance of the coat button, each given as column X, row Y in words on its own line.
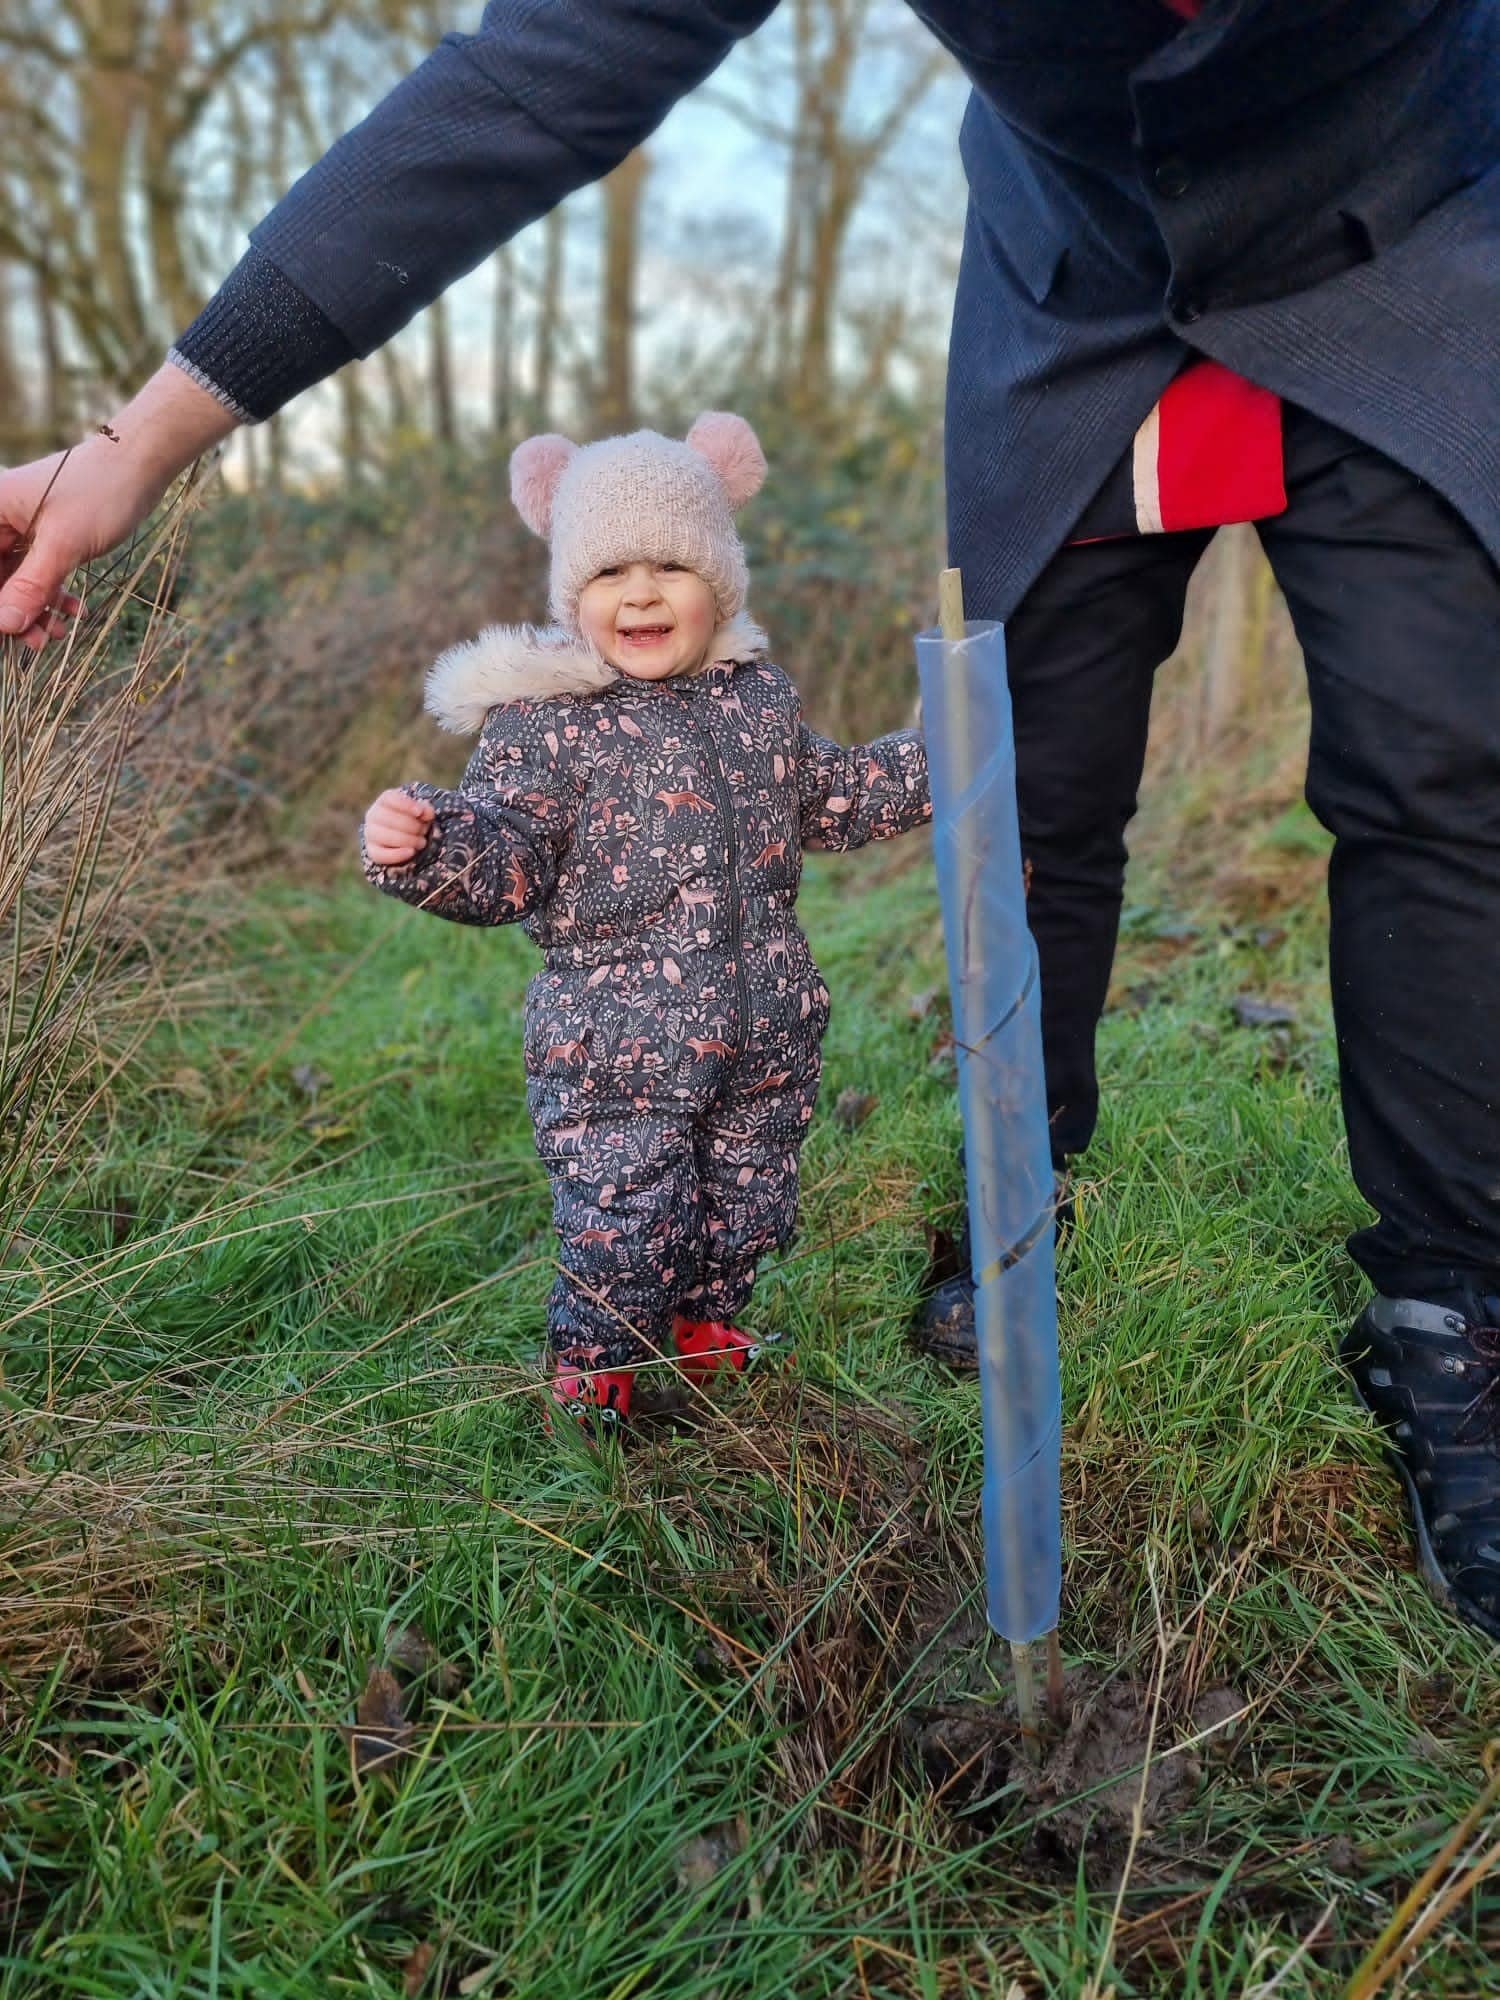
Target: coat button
column 1183, row 307
column 1172, row 177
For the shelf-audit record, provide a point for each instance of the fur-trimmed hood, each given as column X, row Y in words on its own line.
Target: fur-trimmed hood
column 534, row 663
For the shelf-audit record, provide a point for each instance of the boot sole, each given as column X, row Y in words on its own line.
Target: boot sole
column 1451, row 1600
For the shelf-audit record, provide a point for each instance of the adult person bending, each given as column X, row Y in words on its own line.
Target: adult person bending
column 1236, row 261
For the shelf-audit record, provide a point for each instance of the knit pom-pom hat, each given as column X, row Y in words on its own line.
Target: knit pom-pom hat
column 641, row 498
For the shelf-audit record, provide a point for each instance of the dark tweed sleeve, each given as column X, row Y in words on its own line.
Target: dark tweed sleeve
column 487, row 134
column 870, row 792
column 259, row 341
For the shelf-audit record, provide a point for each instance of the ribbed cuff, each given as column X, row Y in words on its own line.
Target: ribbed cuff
column 195, row 374
column 259, row 341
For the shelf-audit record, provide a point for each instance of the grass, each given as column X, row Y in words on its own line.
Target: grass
column 268, row 1400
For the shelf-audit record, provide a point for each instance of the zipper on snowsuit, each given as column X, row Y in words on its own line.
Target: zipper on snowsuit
column 732, row 855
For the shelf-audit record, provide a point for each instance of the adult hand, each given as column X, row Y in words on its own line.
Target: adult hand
column 396, row 828
column 66, row 509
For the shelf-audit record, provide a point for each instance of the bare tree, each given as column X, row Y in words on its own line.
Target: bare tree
column 549, row 315
column 14, row 427
column 398, row 400
column 353, row 411
column 623, row 190
column 353, row 425
column 833, row 148
column 440, row 373
column 101, row 103
column 502, row 336
column 57, row 395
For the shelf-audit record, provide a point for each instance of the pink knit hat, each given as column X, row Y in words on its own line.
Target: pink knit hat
column 641, row 498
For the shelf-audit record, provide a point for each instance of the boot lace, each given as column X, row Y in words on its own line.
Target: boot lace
column 1483, row 1411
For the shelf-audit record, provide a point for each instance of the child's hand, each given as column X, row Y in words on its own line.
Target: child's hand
column 396, row 828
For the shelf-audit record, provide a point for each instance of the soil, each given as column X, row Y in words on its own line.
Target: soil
column 964, row 1736
column 1094, row 1776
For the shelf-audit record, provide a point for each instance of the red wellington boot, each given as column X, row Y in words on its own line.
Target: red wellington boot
column 705, row 1346
column 593, row 1396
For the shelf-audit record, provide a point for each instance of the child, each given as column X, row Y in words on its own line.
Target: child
column 639, row 798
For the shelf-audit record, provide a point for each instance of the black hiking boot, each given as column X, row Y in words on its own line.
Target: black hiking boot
column 1430, row 1376
column 944, row 1326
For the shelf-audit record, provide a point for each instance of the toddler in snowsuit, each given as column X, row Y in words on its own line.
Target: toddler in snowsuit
column 638, row 801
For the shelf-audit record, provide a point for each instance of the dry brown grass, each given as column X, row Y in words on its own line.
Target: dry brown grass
column 105, row 854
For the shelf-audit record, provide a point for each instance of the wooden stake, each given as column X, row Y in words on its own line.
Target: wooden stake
column 1023, row 1664
column 951, row 604
column 1037, row 1663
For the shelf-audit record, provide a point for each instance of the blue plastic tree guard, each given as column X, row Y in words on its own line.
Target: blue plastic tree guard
column 997, row 1029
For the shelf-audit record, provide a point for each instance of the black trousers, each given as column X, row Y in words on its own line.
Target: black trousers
column 1397, row 608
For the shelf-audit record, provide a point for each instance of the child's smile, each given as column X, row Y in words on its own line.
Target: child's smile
column 652, row 621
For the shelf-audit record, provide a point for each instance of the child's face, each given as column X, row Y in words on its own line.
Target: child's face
column 651, row 620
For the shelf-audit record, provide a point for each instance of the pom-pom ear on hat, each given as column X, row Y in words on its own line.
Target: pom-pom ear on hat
column 535, row 468
column 734, row 452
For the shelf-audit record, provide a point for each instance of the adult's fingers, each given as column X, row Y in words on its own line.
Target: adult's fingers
column 53, row 623
column 33, row 589
column 60, row 615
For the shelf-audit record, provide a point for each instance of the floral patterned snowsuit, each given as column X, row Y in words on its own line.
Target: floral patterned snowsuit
column 649, row 839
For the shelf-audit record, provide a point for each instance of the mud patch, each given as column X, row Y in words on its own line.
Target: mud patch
column 1087, row 1787
column 963, row 1736
column 1098, row 1774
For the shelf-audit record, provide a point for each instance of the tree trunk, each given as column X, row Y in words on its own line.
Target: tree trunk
column 549, row 314
column 397, row 394
column 276, row 167
column 880, row 331
column 814, row 380
column 57, row 397
column 15, row 430
column 1226, row 667
column 174, row 288
column 622, row 216
column 108, row 110
column 352, row 425
column 276, row 453
column 440, row 358
column 162, row 134
column 784, row 341
column 502, row 325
